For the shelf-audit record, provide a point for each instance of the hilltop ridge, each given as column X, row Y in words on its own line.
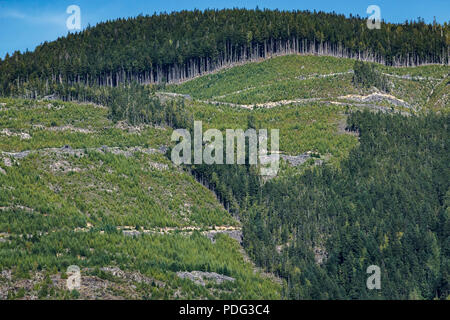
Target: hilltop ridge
column 182, row 45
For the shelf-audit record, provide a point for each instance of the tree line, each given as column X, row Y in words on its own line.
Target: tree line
column 181, row 45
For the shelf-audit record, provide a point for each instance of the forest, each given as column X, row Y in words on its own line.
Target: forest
column 387, row 205
column 172, row 47
column 93, row 112
column 132, row 102
column 365, row 75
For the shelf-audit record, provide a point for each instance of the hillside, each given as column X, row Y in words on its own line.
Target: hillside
column 387, row 205
column 182, row 45
column 299, row 78
column 77, row 189
column 381, row 194
column 363, row 180
column 308, row 98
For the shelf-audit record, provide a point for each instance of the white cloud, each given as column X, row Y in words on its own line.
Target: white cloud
column 41, row 18
column 8, row 13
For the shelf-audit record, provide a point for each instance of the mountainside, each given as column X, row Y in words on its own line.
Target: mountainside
column 297, row 78
column 387, row 205
column 380, row 196
column 77, row 189
column 86, row 177
column 182, row 45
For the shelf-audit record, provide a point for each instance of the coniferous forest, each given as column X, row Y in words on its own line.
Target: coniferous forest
column 86, row 176
column 388, row 204
column 182, row 45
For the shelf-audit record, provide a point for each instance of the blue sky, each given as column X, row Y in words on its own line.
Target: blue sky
column 24, row 24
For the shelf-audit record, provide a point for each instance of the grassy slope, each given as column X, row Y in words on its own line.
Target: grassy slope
column 439, row 99
column 59, row 209
column 300, row 77
column 310, row 125
column 302, row 128
column 260, row 74
column 105, row 191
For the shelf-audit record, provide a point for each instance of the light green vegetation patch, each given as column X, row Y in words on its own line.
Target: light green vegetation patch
column 439, row 100
column 314, row 88
column 414, row 92
column 258, row 74
column 107, row 190
column 62, row 206
column 157, row 257
column 56, row 123
column 297, row 77
column 303, row 128
column 26, row 114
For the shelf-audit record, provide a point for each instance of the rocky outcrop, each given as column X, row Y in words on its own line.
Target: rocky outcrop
column 67, row 150
column 132, row 276
column 377, row 97
column 296, row 160
column 21, row 135
column 233, row 234
column 158, row 166
column 93, row 286
column 201, row 278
